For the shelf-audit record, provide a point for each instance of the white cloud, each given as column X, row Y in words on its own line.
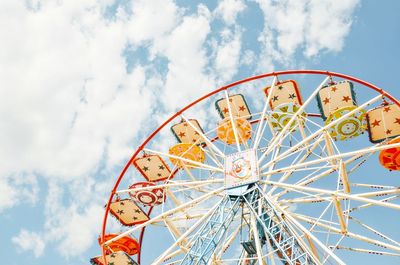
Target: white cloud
column 187, row 60
column 68, row 105
column 310, row 26
column 229, row 9
column 17, row 189
column 228, row 55
column 29, row 241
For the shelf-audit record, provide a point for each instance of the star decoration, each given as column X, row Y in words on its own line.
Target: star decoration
column 185, row 124
column 196, row 133
column 292, row 96
column 149, row 159
column 386, row 109
column 333, row 89
column 135, row 218
column 145, row 168
column 275, row 98
column 159, row 174
column 120, row 211
column 194, row 140
column 110, row 263
column 376, row 123
column 225, row 110
column 181, row 134
column 388, row 131
column 326, row 100
column 280, row 87
column 137, row 211
column 230, row 99
column 161, row 167
column 241, row 108
column 122, row 203
column 112, row 255
column 397, row 120
column 346, row 98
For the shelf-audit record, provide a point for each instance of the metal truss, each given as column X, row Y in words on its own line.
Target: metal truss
column 271, row 226
column 212, row 232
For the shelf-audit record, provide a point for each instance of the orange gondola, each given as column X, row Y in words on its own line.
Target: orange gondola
column 390, row 158
column 126, row 244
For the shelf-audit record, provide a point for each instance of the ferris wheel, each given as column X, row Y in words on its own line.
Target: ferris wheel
column 291, row 167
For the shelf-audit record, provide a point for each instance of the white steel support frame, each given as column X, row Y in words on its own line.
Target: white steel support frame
column 313, row 157
column 321, row 130
column 279, row 137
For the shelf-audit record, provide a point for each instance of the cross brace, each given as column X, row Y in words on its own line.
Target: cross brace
column 270, row 225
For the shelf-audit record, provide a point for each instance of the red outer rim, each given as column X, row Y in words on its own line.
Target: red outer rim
column 277, row 73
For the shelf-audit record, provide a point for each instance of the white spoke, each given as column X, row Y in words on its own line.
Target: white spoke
column 334, row 193
column 338, row 156
column 278, row 138
column 260, row 125
column 321, row 130
column 200, row 165
column 233, row 122
column 165, row 214
column 205, row 138
column 173, row 184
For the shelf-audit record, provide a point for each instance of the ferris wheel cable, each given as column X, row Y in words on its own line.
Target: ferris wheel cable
column 337, row 243
column 289, row 173
column 352, row 153
column 296, row 114
column 166, row 213
column 374, row 230
column 274, row 154
column 334, row 193
column 174, row 231
column 305, row 231
column 359, row 164
column 373, row 186
column 365, row 194
column 184, row 235
column 173, row 184
column 305, row 182
column 200, row 165
column 233, row 122
column 313, row 219
column 254, row 229
column 211, row 154
column 216, row 149
column 363, row 206
column 383, row 253
column 321, row 130
column 259, row 127
column 350, row 234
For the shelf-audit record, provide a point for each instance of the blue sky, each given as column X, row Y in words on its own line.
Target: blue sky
column 83, row 82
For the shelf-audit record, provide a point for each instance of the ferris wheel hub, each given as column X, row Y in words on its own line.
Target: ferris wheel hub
column 241, row 170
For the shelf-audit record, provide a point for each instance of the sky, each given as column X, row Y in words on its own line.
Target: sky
column 84, row 82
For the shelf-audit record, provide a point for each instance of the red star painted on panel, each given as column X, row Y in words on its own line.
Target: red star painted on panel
column 196, row 133
column 376, row 123
column 230, row 99
column 397, row 120
column 326, row 100
column 346, row 98
column 181, row 134
column 333, row 89
column 388, row 131
column 386, row 109
column 241, row 108
column 225, row 110
column 185, row 124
